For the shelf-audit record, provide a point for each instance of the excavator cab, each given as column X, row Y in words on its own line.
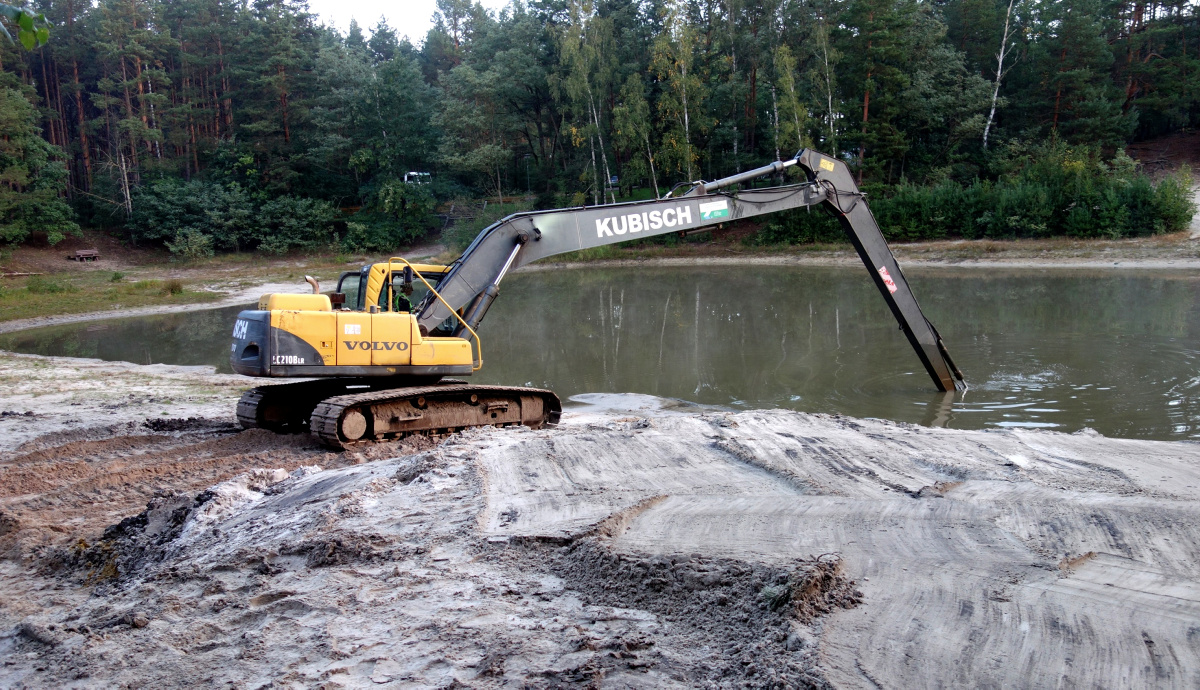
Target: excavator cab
column 371, row 286
column 365, row 328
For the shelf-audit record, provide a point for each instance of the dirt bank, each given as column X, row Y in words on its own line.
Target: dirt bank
column 643, row 543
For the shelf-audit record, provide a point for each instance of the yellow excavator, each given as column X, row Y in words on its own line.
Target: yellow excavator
column 381, row 364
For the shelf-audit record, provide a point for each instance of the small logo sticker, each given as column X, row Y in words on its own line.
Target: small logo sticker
column 887, row 279
column 354, row 329
column 714, row 209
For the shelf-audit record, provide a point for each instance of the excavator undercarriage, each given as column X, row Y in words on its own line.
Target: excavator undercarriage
column 345, row 413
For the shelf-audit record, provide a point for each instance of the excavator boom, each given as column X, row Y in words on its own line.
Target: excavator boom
column 473, row 281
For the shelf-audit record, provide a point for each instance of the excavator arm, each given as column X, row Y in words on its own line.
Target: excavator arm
column 473, row 281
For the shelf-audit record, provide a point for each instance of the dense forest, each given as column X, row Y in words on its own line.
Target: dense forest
column 215, row 125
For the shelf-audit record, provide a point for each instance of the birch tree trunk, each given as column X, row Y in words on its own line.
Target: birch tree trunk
column 1004, row 47
column 829, row 118
column 687, row 129
column 595, row 172
column 600, row 137
column 775, row 119
column 653, row 176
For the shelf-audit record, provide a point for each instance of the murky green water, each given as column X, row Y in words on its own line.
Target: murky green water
column 1117, row 351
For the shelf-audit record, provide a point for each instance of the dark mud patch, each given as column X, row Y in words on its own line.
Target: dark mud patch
column 177, row 424
column 345, row 548
column 130, row 545
column 755, row 624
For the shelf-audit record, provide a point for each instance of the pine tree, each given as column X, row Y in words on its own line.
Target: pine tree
column 877, row 60
column 32, row 177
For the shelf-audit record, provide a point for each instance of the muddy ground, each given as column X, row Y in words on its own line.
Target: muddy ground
column 146, row 541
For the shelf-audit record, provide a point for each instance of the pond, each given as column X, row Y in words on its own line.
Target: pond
column 1117, row 351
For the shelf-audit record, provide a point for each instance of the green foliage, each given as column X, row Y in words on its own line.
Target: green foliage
column 32, row 177
column 186, row 119
column 680, row 106
column 171, row 209
column 116, row 277
column 293, row 223
column 193, row 219
column 399, row 215
column 33, row 30
column 412, row 204
column 1045, row 191
column 191, row 244
column 800, row 227
column 1172, row 203
column 633, row 129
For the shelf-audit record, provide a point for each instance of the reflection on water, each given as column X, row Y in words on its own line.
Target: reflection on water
column 1115, row 351
column 192, row 338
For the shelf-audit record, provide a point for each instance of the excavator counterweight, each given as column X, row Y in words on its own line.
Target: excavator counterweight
column 380, row 360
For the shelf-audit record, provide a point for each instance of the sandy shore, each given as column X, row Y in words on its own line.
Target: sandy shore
column 146, row 541
column 230, row 299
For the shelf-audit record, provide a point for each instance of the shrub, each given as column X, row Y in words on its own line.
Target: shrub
column 801, row 226
column 1047, row 191
column 1172, row 204
column 293, row 222
column 196, row 218
column 165, row 209
column 173, row 287
column 398, row 214
column 374, row 234
column 459, row 235
column 191, row 244
column 116, row 277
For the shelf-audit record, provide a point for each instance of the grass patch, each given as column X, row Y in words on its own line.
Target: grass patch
column 82, row 292
column 606, row 253
column 42, row 285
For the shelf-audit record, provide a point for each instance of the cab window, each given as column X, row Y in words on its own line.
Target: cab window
column 348, row 284
column 398, row 297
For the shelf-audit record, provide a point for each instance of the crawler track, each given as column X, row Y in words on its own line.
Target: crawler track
column 347, row 413
column 287, row 407
column 349, row 420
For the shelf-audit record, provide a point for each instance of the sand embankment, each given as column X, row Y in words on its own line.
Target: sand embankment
column 642, row 543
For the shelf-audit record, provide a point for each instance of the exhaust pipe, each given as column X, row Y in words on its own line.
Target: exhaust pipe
column 315, row 285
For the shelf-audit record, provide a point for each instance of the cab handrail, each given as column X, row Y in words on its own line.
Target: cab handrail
column 476, row 363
